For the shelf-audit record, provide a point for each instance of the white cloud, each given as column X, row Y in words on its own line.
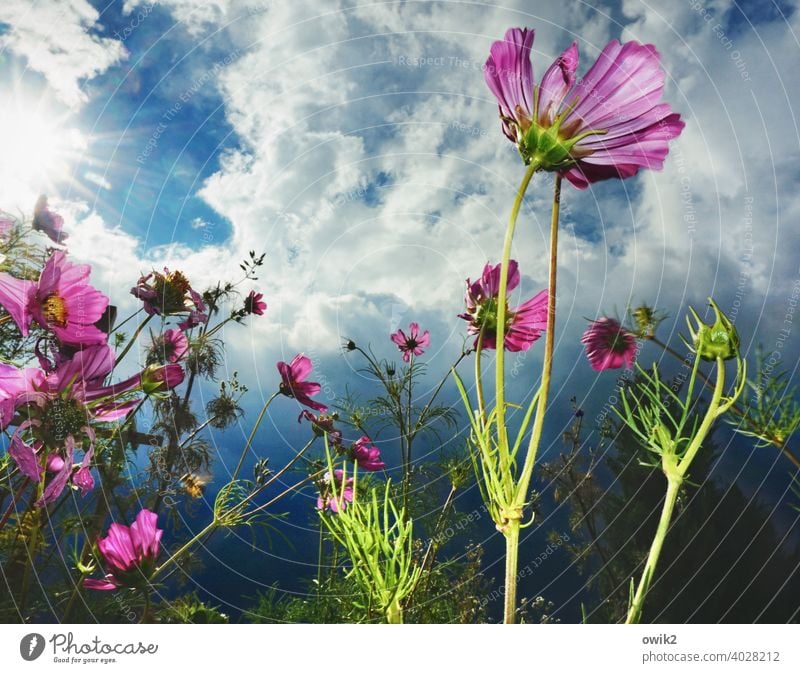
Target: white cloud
column 377, row 183
column 97, row 179
column 58, row 39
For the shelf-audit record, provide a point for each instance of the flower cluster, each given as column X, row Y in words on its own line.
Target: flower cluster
column 55, row 407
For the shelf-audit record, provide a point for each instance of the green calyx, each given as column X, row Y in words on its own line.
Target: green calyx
column 546, row 146
column 487, row 316
column 719, row 340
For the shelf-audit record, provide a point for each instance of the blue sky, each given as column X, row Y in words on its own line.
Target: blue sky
column 360, row 149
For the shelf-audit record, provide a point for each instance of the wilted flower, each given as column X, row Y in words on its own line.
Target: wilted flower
column 327, row 499
column 608, row 124
column 524, row 325
column 61, row 301
column 170, row 293
column 253, row 303
column 48, row 222
column 293, row 383
column 323, row 425
column 129, row 553
column 413, row 343
column 609, row 345
column 367, row 456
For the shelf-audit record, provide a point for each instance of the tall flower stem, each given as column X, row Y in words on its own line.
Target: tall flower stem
column 133, row 339
column 512, row 554
column 635, row 611
column 252, row 435
column 549, row 345
column 502, row 435
column 511, row 529
column 675, row 470
column 394, row 613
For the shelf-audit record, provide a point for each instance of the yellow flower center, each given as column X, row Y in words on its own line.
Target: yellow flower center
column 55, row 310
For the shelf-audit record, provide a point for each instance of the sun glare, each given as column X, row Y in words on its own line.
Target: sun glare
column 38, row 151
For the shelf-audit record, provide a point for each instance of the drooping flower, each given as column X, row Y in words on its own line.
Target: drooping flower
column 48, row 222
column 524, row 325
column 413, row 343
column 253, row 303
column 294, row 384
column 170, row 293
column 129, row 553
column 608, row 124
column 609, row 345
column 61, row 301
column 171, row 346
column 335, row 493
column 323, row 425
column 366, row 455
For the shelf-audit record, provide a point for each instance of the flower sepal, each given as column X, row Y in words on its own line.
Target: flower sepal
column 720, row 340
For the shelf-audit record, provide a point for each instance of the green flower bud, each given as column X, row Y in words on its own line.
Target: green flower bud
column 719, row 340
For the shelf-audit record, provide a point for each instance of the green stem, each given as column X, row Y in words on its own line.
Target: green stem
column 512, row 552
column 675, row 472
column 320, row 556
column 635, row 611
column 394, row 613
column 549, row 344
column 253, row 435
column 708, row 420
column 178, row 554
column 500, row 403
column 409, row 437
column 479, row 378
column 32, row 541
column 132, row 340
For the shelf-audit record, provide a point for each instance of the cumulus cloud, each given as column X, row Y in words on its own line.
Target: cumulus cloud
column 369, row 165
column 59, row 40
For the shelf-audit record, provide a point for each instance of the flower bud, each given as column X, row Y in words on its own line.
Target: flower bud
column 646, row 320
column 158, row 379
column 719, row 340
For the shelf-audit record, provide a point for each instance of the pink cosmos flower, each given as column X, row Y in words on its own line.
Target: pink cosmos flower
column 413, row 343
column 609, row 345
column 524, row 325
column 129, row 553
column 323, row 425
column 343, row 495
column 608, row 124
column 294, row 384
column 171, row 346
column 59, row 409
column 170, row 293
column 61, row 301
column 48, row 222
column 253, row 303
column 367, row 456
